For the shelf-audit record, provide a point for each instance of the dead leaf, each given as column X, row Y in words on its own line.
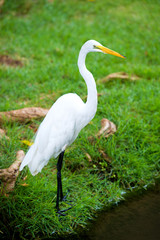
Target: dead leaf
column 24, row 114
column 120, row 75
column 92, row 140
column 3, row 134
column 88, row 157
column 105, row 156
column 9, row 175
column 24, row 179
column 24, row 184
column 107, row 128
column 33, row 127
column 1, row 3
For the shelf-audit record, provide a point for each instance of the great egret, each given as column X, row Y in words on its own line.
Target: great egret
column 65, row 119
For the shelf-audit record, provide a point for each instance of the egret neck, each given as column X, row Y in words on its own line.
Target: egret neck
column 91, row 104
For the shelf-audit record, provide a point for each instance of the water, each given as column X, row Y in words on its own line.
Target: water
column 137, row 219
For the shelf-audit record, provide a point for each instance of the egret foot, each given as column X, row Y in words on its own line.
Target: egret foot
column 68, row 202
column 61, row 212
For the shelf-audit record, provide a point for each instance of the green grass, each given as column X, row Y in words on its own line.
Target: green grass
column 46, row 36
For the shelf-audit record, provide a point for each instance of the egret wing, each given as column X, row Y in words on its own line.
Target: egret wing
column 56, row 130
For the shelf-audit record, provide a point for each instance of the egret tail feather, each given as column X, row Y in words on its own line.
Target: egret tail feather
column 28, row 157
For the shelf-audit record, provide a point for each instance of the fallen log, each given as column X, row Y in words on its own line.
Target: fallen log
column 24, row 114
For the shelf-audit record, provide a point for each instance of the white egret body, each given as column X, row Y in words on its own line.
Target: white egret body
column 68, row 115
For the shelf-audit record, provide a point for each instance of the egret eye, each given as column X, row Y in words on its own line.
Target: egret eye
column 95, row 47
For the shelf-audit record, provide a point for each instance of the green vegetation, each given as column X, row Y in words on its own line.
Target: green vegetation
column 46, row 37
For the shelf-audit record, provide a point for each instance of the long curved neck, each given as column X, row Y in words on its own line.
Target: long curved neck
column 91, row 104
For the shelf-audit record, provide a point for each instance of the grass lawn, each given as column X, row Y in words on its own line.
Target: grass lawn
column 46, row 36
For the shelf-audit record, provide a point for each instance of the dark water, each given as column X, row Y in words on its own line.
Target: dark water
column 136, row 219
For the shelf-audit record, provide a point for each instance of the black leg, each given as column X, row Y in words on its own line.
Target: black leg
column 60, row 196
column 59, row 181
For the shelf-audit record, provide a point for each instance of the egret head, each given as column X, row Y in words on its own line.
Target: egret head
column 94, row 46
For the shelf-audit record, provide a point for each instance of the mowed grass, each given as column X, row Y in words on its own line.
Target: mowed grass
column 46, row 37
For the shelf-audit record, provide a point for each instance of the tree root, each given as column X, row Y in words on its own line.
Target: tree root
column 9, row 175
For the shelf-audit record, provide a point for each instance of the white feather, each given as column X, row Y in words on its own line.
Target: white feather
column 57, row 131
column 68, row 115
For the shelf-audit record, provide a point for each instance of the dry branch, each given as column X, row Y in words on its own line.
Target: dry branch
column 119, row 75
column 24, row 114
column 9, row 175
column 107, row 128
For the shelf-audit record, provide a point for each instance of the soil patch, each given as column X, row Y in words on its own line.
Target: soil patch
column 6, row 60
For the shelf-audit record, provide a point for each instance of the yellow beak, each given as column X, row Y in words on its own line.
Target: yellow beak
column 109, row 51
